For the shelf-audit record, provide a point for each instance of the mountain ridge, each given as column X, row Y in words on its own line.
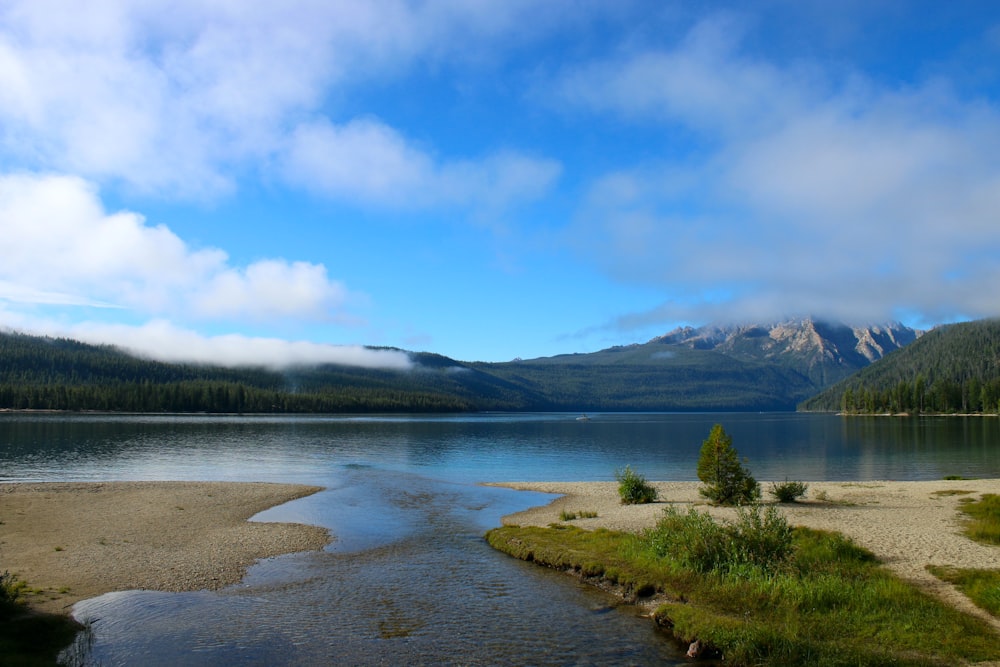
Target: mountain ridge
column 747, row 367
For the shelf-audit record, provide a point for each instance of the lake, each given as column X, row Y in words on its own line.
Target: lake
column 409, row 578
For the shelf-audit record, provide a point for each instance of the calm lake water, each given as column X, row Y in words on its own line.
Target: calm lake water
column 409, row 578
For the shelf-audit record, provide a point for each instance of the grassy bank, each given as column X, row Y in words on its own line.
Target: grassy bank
column 983, row 525
column 29, row 638
column 761, row 593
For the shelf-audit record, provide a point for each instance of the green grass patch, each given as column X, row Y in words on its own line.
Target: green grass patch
column 821, row 600
column 952, row 492
column 566, row 515
column 984, row 518
column 980, row 586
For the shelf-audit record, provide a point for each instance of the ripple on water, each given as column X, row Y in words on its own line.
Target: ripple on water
column 432, row 592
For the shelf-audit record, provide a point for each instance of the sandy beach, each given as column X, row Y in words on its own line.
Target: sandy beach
column 908, row 525
column 72, row 541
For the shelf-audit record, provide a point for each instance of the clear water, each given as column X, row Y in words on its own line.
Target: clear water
column 409, row 578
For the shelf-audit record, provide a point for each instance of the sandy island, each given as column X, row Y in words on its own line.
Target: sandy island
column 71, row 541
column 908, row 525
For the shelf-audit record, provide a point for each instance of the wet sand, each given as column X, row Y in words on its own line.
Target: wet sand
column 71, row 541
column 908, row 525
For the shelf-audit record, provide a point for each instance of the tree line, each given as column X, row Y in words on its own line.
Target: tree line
column 951, row 369
column 917, row 397
column 216, row 397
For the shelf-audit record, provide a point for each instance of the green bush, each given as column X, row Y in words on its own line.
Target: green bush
column 633, row 488
column 788, row 492
column 10, row 588
column 694, row 540
column 727, row 482
column 758, row 538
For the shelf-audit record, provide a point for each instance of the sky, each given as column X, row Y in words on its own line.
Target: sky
column 243, row 181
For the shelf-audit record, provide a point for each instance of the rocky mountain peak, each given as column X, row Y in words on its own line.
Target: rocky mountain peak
column 823, row 351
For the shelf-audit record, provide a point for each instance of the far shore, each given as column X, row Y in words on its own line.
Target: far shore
column 71, row 541
column 907, row 525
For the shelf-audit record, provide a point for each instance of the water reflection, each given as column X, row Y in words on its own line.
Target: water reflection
column 474, row 448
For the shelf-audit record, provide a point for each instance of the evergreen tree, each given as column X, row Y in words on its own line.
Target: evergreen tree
column 727, row 482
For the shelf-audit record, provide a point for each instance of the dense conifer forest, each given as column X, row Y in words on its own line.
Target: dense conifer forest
column 950, row 369
column 59, row 374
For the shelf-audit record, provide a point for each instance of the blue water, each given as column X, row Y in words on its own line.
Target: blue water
column 409, row 578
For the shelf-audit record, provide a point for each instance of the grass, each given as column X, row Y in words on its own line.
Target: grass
column 29, row 638
column 572, row 516
column 951, row 492
column 983, row 524
column 822, row 601
column 980, row 586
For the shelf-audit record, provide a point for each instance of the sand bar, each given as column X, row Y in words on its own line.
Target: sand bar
column 78, row 540
column 908, row 525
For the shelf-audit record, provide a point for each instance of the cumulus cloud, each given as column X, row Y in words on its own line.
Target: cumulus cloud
column 370, row 162
column 181, row 98
column 814, row 194
column 61, row 246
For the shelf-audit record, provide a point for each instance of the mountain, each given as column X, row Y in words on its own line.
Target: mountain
column 757, row 367
column 653, row 376
column 823, row 352
column 952, row 368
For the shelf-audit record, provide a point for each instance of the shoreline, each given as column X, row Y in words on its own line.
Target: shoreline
column 907, row 525
column 69, row 541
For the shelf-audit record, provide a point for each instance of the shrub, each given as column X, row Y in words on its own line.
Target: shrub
column 633, row 488
column 758, row 538
column 727, row 482
column 788, row 492
column 10, row 588
column 693, row 540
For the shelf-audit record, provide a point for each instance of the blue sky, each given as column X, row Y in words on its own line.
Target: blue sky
column 280, row 182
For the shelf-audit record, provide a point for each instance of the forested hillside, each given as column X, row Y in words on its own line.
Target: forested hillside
column 655, row 376
column 57, row 374
column 951, row 369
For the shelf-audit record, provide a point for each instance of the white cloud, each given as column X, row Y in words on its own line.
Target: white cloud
column 182, row 98
column 368, row 161
column 702, row 84
column 848, row 199
column 269, row 288
column 60, row 246
column 162, row 341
